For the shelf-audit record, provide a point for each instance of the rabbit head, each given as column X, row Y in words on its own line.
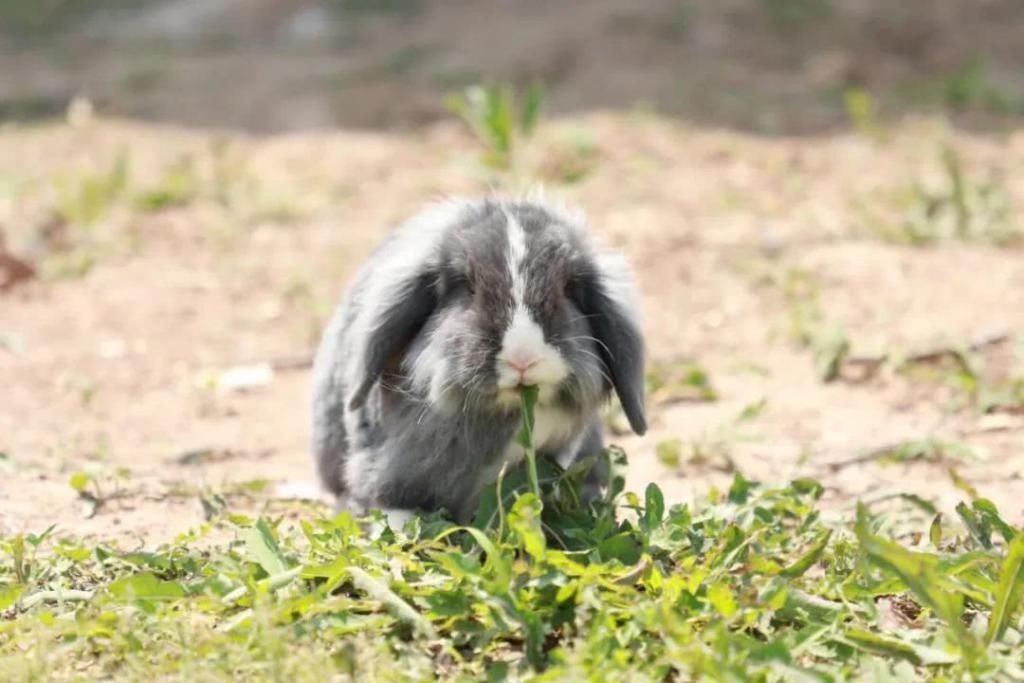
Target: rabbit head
column 478, row 299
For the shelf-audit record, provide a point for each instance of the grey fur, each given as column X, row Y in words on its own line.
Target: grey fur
column 405, row 402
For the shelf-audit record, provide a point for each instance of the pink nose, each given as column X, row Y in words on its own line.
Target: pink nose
column 521, row 364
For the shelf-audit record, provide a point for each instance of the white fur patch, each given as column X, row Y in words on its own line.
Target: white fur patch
column 516, row 256
column 412, row 247
column 523, row 342
column 552, row 429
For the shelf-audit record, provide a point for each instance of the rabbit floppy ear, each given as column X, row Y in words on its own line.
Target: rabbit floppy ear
column 608, row 309
column 394, row 322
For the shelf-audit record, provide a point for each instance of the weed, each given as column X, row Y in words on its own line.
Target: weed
column 960, row 207
column 675, row 381
column 179, row 186
column 667, row 382
column 748, row 584
column 808, row 325
column 970, row 86
column 1005, row 396
column 862, row 112
column 713, row 448
column 88, row 198
column 96, row 487
column 502, row 119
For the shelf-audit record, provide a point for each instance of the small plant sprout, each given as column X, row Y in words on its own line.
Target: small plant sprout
column 501, row 119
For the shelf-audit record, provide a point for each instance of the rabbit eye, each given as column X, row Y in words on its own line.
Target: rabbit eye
column 464, row 282
column 569, row 290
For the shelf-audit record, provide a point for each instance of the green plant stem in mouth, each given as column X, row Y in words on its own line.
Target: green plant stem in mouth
column 528, row 399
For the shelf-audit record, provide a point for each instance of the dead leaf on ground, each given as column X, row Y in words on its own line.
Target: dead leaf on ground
column 12, row 270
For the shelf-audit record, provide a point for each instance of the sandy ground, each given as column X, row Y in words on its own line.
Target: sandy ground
column 715, row 151
column 109, row 372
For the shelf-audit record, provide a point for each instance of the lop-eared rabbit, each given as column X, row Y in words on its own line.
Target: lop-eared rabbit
column 416, row 382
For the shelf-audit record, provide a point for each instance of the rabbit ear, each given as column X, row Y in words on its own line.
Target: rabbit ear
column 395, row 321
column 604, row 299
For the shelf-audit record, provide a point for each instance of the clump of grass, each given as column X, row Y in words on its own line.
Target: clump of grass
column 178, row 186
column 714, row 447
column 501, row 119
column 808, row 325
column 960, row 207
column 85, row 199
column 753, row 583
column 968, row 87
column 862, row 112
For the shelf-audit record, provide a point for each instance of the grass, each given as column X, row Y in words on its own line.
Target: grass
column 501, row 118
column 969, row 86
column 23, row 21
column 960, row 206
column 752, row 583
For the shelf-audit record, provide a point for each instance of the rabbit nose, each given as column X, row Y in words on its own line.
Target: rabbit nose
column 521, row 364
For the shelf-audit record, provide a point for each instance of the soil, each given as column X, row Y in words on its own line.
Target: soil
column 109, row 358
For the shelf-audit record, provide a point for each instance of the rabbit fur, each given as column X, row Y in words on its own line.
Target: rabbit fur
column 415, row 382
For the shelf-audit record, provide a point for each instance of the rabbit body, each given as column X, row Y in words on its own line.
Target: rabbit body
column 416, row 380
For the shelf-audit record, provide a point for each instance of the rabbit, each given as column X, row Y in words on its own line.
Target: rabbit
column 416, row 379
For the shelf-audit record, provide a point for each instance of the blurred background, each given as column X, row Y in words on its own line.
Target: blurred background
column 766, row 66
column 821, row 199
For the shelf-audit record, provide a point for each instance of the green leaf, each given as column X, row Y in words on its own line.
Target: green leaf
column 890, row 647
column 622, row 547
column 524, row 520
column 654, row 506
column 935, row 530
column 381, row 592
column 262, row 546
column 978, row 527
column 80, row 481
column 808, row 487
column 740, row 489
column 535, row 633
column 989, row 514
column 146, row 586
column 918, row 572
column 807, row 560
column 530, row 113
column 721, row 598
column 448, row 603
column 669, row 452
column 10, row 595
column 1010, row 591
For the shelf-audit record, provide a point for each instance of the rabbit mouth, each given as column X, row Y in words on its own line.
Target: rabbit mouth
column 508, row 397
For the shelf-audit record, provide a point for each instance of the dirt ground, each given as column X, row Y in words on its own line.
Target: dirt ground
column 113, row 358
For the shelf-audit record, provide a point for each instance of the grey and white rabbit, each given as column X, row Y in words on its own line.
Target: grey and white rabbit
column 416, row 381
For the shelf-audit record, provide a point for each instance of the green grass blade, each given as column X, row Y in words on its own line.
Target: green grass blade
column 1010, row 591
column 891, row 647
column 807, row 560
column 918, row 573
column 530, row 112
column 528, row 399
